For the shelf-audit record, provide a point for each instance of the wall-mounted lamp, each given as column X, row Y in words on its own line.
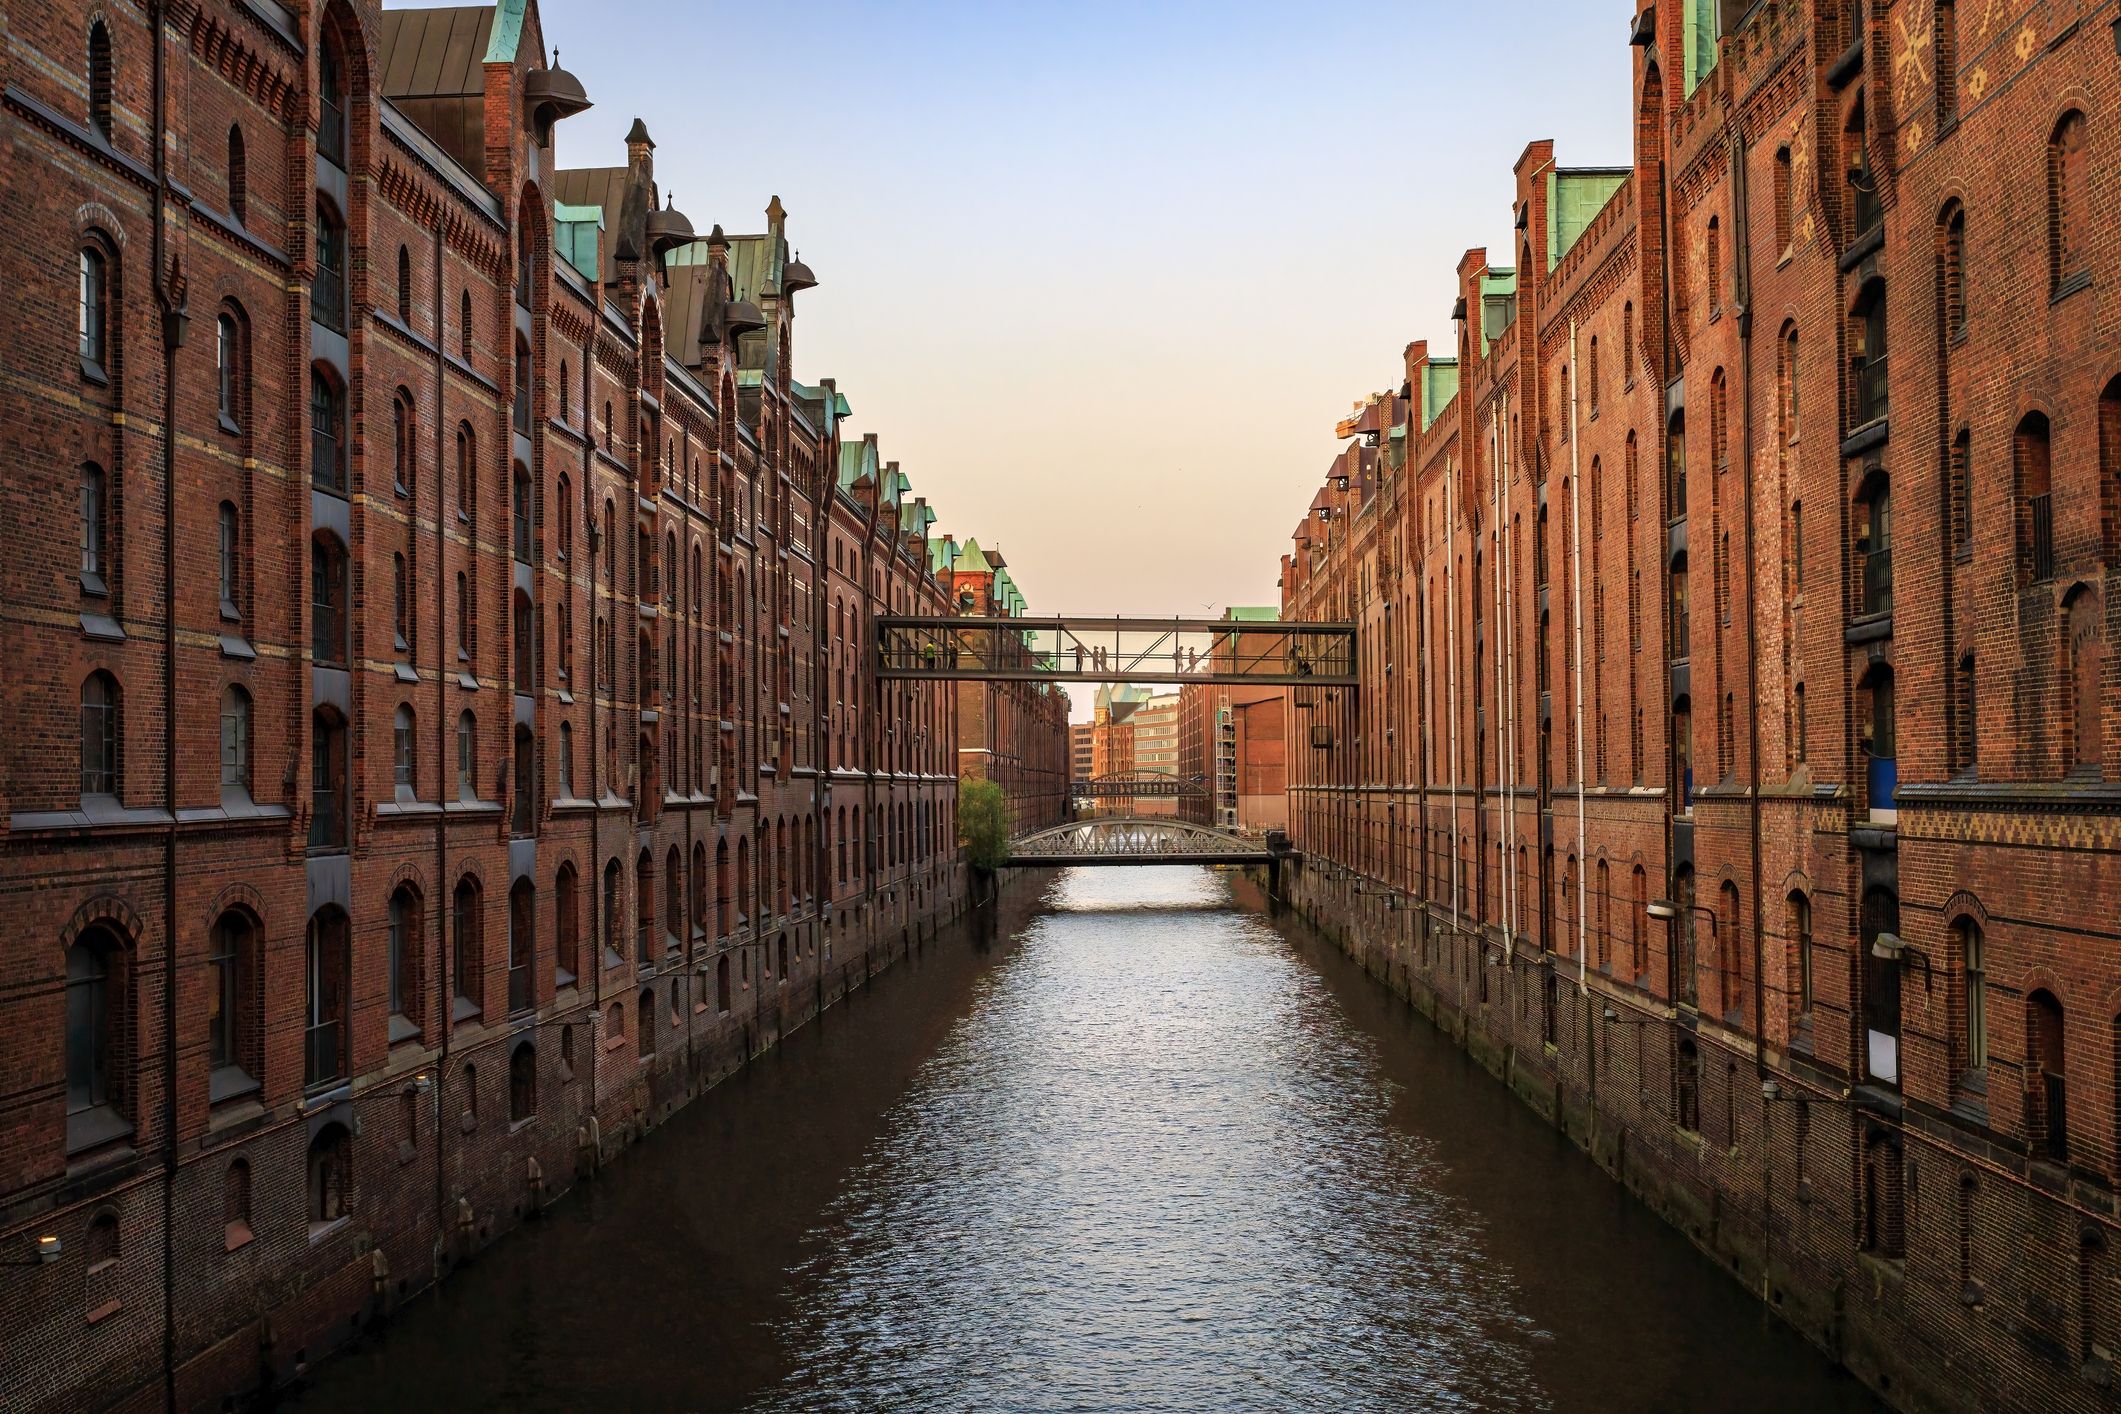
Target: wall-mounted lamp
column 1662, row 909
column 1614, row 1018
column 48, row 1250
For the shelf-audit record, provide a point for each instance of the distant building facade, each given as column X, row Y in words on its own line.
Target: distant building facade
column 1232, row 740
column 1014, row 733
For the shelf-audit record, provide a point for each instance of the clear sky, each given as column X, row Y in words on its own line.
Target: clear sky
column 1101, row 276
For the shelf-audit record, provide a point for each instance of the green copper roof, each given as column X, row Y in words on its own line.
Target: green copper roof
column 576, row 233
column 1439, row 384
column 942, row 554
column 857, row 462
column 1574, row 198
column 971, row 559
column 1498, row 305
column 1253, row 614
column 507, row 31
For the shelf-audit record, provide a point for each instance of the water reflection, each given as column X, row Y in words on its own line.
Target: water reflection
column 1146, row 1151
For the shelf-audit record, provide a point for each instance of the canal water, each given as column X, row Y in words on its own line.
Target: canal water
column 1122, row 1144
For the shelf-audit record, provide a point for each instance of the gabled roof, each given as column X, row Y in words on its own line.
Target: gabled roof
column 971, row 559
column 1575, row 196
column 605, row 189
column 857, row 463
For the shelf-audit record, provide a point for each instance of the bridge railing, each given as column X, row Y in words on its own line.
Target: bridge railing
column 1116, row 650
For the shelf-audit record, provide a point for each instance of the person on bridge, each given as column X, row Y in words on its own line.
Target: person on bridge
column 1078, row 657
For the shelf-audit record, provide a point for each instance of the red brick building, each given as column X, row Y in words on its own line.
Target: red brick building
column 443, row 738
column 1014, row 733
column 1233, row 741
column 1738, row 743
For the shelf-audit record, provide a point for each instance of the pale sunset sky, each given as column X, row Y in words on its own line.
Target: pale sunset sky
column 1101, row 276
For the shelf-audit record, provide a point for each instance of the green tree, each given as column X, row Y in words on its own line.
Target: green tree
column 983, row 823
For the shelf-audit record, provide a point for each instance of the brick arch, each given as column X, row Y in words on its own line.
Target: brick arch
column 470, row 870
column 406, row 874
column 1964, row 904
column 95, row 217
column 2044, row 979
column 241, row 896
column 1797, row 882
column 103, row 908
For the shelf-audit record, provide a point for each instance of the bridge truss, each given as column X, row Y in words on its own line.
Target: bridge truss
column 1138, row 785
column 1115, row 650
column 1131, row 840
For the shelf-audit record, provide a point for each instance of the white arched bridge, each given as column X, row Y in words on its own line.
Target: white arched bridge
column 1140, row 840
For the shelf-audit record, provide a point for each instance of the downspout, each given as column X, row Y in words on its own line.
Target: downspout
column 1451, row 664
column 594, row 959
column 171, row 302
column 1583, row 860
column 1743, row 273
column 441, row 1008
column 1495, row 537
column 1507, row 649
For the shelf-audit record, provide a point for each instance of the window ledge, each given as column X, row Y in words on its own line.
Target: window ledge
column 463, row 1009
column 92, row 371
column 402, row 1028
column 2069, row 285
column 318, row 1232
column 236, row 1235
column 102, row 628
column 94, row 1128
column 229, row 1082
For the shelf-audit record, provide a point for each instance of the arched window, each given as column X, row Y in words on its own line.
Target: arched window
column 566, row 755
column 407, row 924
column 94, row 501
column 2069, row 214
column 94, row 312
column 1681, row 611
column 2084, row 643
column 522, row 944
column 467, row 756
column 330, row 1176
column 524, row 813
column 567, row 927
column 524, row 623
column 327, row 433
column 1873, row 527
column 327, row 294
column 402, row 443
column 520, row 520
column 467, row 623
column 99, row 79
column 1868, row 400
column 698, row 880
column 228, row 371
column 1627, row 345
column 232, row 1040
column 613, row 887
column 1974, row 969
column 673, row 902
column 2047, row 1092
column 467, row 949
column 522, row 388
column 400, row 602
column 1878, row 739
column 328, row 798
column 1685, row 981
column 1730, row 978
column 522, row 1082
column 2036, row 534
column 562, row 511
column 327, row 600
column 235, row 743
column 467, row 472
column 1675, row 467
column 723, row 924
column 644, row 910
column 1951, row 274
column 101, row 766
column 229, row 529
column 1785, row 215
column 97, row 1030
column 1714, row 264
column 1880, row 919
column 1801, row 941
column 525, row 256
column 721, row 984
column 1864, row 208
column 331, row 98
column 324, row 989
column 644, row 1022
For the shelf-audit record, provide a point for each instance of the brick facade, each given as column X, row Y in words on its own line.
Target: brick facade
column 1835, row 817
column 443, row 733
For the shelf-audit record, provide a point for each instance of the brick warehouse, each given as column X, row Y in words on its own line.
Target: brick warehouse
column 449, row 630
column 1791, row 899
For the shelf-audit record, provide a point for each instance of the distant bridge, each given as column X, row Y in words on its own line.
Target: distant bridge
column 1133, row 840
column 1138, row 785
